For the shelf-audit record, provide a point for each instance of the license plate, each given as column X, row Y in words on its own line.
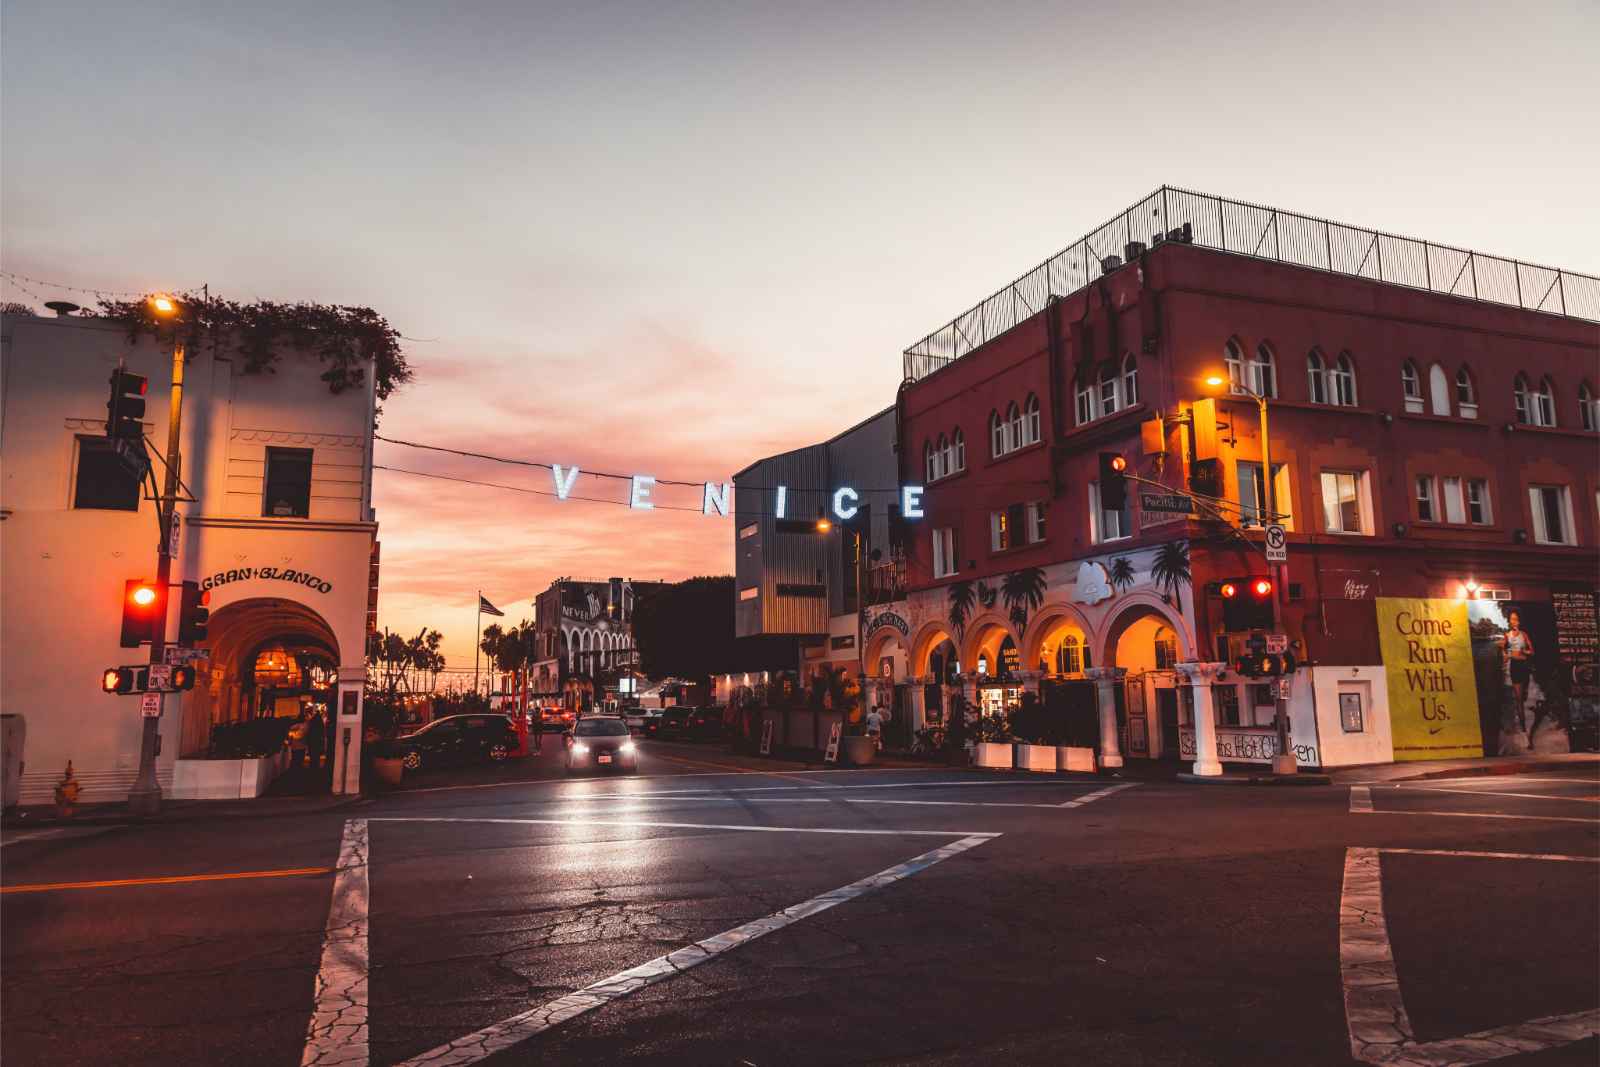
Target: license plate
column 605, row 759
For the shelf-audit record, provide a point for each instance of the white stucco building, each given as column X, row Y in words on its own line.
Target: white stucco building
column 281, row 532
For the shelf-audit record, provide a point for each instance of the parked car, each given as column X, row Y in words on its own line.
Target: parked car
column 554, row 719
column 672, row 724
column 458, row 739
column 601, row 742
column 705, row 724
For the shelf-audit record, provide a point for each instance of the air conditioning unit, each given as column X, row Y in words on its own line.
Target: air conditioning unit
column 1109, row 264
column 1133, row 250
column 1185, row 234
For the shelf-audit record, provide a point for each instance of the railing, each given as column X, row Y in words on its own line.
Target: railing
column 886, row 581
column 1262, row 233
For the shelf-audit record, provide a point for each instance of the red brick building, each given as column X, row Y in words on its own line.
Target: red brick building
column 1433, row 437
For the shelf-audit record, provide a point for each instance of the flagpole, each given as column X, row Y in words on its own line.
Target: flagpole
column 476, row 644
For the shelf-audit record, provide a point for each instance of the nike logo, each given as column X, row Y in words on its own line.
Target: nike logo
column 1435, row 730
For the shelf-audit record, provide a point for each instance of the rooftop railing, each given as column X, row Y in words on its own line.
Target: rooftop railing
column 1262, row 233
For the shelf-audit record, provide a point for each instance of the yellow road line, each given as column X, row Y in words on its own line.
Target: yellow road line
column 47, row 887
column 728, row 768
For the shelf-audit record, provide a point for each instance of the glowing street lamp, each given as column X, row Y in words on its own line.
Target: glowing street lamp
column 163, row 305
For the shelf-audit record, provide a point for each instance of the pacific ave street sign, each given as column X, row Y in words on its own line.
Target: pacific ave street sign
column 1178, row 503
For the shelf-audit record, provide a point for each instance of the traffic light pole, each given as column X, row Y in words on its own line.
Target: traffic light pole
column 145, row 797
column 1284, row 762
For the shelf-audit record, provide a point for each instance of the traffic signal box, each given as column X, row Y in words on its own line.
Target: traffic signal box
column 1113, row 481
column 1265, row 664
column 124, row 419
column 193, row 615
column 142, row 605
column 1246, row 603
column 136, row 679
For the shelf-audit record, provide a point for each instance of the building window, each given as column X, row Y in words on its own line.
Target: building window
column 1109, row 390
column 749, row 592
column 1466, row 395
column 945, row 559
column 1030, row 420
column 1130, row 380
column 1411, row 385
column 1253, row 494
column 101, row 482
column 1342, row 381
column 749, row 529
column 1439, row 390
column 1478, row 502
column 1454, row 505
column 1264, row 372
column 942, row 457
column 288, row 483
column 997, row 435
column 1552, row 514
column 1002, row 528
column 1225, row 698
column 1036, row 521
column 959, row 448
column 930, row 461
column 1014, row 437
column 1166, row 649
column 1588, row 408
column 1535, row 407
column 1345, row 508
column 1069, row 657
column 1316, row 378
column 1427, row 508
column 1085, row 402
column 1544, row 401
column 1107, row 525
column 1233, row 356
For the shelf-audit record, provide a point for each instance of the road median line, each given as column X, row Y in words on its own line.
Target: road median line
column 177, row 879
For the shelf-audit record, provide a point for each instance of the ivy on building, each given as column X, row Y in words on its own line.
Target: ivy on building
column 345, row 339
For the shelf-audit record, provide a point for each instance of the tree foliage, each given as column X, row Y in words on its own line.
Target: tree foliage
column 686, row 630
column 344, row 338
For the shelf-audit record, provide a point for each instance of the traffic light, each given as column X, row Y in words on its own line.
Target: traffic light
column 1113, row 481
column 1246, row 603
column 182, row 678
column 120, row 679
column 125, row 409
column 1266, row 664
column 193, row 615
column 142, row 606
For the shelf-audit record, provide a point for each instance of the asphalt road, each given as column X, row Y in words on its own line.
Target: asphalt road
column 712, row 915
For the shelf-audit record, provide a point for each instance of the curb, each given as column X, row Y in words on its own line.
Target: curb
column 181, row 815
column 1486, row 770
column 1284, row 780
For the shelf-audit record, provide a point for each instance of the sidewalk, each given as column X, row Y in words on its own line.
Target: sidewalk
column 1373, row 773
column 35, row 816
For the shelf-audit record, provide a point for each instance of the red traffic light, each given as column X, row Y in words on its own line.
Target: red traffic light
column 1229, row 590
column 1119, row 462
column 1261, row 587
column 142, row 595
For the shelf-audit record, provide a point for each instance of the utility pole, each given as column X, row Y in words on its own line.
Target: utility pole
column 1284, row 761
column 145, row 796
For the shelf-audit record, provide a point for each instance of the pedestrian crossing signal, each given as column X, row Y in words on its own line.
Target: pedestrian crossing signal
column 1265, row 664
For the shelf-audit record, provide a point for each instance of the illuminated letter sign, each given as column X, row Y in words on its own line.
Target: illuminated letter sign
column 911, row 502
column 716, row 498
column 839, row 508
column 640, row 496
column 563, row 487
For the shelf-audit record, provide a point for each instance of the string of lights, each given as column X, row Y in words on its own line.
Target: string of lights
column 17, row 279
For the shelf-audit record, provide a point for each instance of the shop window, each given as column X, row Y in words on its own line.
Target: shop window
column 288, row 489
column 101, row 482
column 1411, row 386
column 1346, row 508
column 1552, row 514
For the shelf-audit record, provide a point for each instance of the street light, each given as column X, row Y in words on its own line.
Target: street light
column 1284, row 761
column 163, row 305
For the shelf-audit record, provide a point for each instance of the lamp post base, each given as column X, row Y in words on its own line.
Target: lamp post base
column 145, row 801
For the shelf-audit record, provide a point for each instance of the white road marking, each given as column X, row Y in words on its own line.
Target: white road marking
column 337, row 1034
column 648, row 823
column 1484, row 815
column 67, row 833
column 1494, row 855
column 1097, row 795
column 1360, row 799
column 509, row 1032
column 1495, row 793
column 39, row 836
column 1497, row 779
column 1375, row 1015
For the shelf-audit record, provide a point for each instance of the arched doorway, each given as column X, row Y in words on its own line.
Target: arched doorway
column 264, row 658
column 1060, row 646
column 1143, row 646
column 935, row 667
column 995, row 665
column 885, row 685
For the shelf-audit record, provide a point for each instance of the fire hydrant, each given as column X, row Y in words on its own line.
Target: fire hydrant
column 67, row 794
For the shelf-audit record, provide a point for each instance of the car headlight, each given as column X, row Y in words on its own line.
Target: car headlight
column 580, row 749
column 626, row 748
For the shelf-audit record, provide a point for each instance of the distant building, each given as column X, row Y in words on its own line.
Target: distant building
column 280, row 532
column 585, row 639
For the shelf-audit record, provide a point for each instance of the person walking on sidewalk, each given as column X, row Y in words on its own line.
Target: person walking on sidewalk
column 316, row 737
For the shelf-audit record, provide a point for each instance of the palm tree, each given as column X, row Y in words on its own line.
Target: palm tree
column 1171, row 567
column 1121, row 575
column 1023, row 591
column 986, row 594
column 961, row 604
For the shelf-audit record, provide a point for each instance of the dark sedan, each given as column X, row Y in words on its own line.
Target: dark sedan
column 671, row 723
column 601, row 743
column 705, row 724
column 459, row 739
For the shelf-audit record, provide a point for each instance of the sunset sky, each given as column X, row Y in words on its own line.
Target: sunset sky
column 672, row 239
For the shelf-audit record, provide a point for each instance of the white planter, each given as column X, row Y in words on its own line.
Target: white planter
column 1036, row 758
column 224, row 779
column 992, row 754
column 1075, row 759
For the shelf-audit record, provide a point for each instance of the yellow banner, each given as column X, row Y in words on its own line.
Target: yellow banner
column 1433, row 697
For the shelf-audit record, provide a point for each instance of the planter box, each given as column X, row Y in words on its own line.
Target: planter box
column 1075, row 759
column 225, row 779
column 993, row 754
column 1036, row 758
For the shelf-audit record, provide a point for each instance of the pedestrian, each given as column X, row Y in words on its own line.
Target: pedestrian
column 1519, row 660
column 316, row 736
column 875, row 728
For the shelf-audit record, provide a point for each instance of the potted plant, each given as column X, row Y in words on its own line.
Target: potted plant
column 993, row 746
column 1035, row 751
column 388, row 761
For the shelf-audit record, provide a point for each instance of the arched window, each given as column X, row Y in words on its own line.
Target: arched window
column 1264, row 372
column 1233, row 355
column 1588, row 408
column 1130, row 380
column 1015, row 440
column 1069, row 657
column 1438, row 390
column 1466, row 395
column 960, row 444
column 1109, row 391
column 947, row 457
column 1030, row 420
column 997, row 434
column 1545, row 402
column 1342, row 381
column 1520, row 396
column 1085, row 401
column 1411, row 386
column 1316, row 378
column 930, row 462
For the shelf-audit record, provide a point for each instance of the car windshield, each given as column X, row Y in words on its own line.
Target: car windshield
column 605, row 728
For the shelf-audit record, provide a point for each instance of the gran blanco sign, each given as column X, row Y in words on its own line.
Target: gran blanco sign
column 267, row 574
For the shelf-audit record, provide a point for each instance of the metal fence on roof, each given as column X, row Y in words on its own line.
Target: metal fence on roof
column 1263, row 233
